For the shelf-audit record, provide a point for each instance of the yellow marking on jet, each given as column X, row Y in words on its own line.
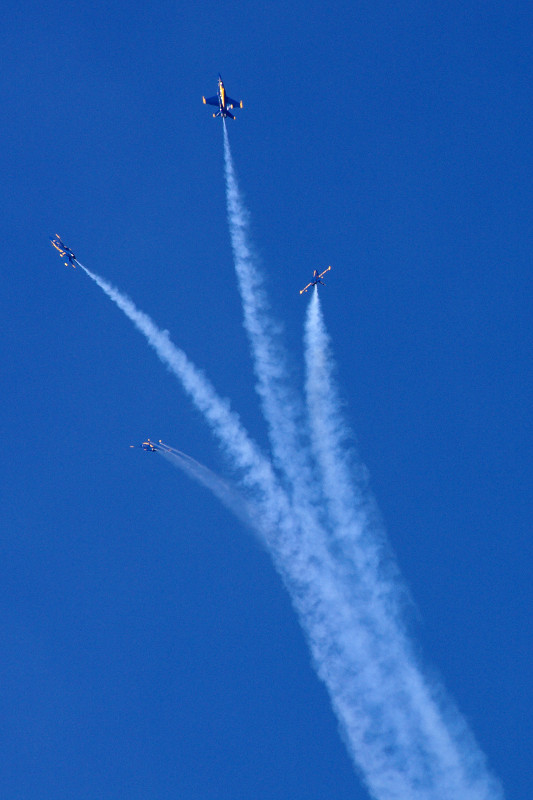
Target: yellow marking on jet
column 316, row 279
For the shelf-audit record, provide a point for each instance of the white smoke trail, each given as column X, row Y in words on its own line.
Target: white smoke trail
column 405, row 736
column 282, row 407
column 256, row 471
column 304, row 561
column 222, row 490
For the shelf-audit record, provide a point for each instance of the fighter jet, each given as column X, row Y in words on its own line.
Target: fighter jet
column 63, row 250
column 223, row 102
column 149, row 446
column 316, row 279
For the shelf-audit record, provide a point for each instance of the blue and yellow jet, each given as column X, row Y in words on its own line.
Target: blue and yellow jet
column 152, row 447
column 223, row 102
column 316, row 279
column 64, row 251
column 149, row 446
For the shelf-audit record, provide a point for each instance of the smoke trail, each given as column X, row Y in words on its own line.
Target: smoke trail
column 228, row 495
column 303, row 560
column 402, row 732
column 256, row 471
column 282, row 407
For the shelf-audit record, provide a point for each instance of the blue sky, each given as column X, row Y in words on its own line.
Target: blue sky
column 149, row 647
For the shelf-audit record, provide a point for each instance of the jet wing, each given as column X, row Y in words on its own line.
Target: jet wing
column 306, row 288
column 211, row 101
column 233, row 103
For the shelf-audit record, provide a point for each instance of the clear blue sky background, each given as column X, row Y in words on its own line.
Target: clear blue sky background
column 148, row 647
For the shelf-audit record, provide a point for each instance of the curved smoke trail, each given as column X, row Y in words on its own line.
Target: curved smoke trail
column 256, row 471
column 239, row 506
